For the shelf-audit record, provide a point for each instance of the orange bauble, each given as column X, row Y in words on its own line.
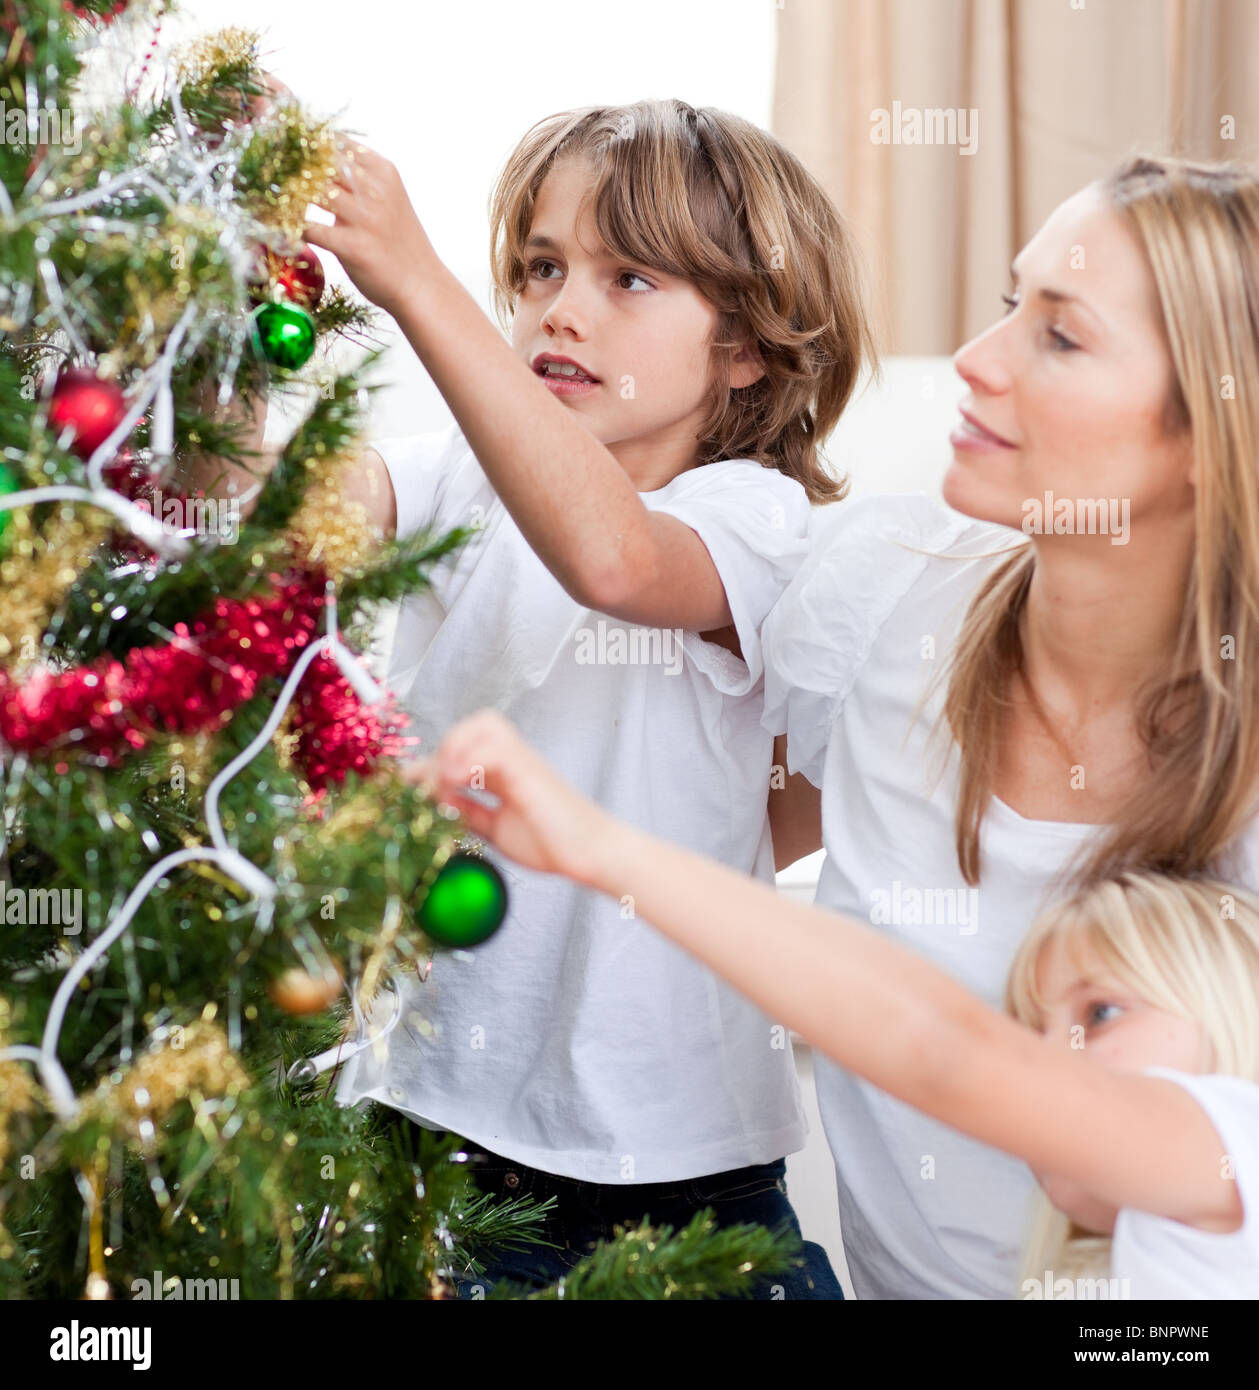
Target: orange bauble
column 297, row 991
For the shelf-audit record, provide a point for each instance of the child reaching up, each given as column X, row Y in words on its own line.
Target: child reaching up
column 1129, row 1082
column 640, row 462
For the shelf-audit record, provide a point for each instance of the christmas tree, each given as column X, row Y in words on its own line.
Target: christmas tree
column 210, row 864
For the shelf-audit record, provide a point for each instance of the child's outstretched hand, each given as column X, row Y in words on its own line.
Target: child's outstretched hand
column 376, row 236
column 541, row 821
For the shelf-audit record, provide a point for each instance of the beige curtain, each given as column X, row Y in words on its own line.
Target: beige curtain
column 1061, row 90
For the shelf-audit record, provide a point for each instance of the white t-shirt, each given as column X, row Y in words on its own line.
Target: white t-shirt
column 1161, row 1258
column 578, row 1039
column 850, row 649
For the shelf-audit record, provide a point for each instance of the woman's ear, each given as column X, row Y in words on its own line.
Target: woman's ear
column 745, row 367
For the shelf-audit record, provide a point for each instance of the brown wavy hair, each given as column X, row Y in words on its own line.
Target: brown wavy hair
column 1198, row 222
column 709, row 197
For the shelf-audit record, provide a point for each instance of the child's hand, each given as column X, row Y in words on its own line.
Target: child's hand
column 541, row 821
column 377, row 237
column 274, row 93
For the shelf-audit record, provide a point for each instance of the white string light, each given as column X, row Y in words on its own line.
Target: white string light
column 226, row 855
column 151, row 383
column 306, row 1069
column 143, row 525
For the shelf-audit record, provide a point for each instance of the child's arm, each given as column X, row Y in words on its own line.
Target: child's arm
column 573, row 502
column 367, row 483
column 795, row 812
column 872, row 1005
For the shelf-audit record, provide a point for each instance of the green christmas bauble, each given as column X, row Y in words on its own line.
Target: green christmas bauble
column 466, row 903
column 8, row 483
column 285, row 334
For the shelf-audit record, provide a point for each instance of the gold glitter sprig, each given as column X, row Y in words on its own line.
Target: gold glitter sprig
column 198, row 61
column 289, row 163
column 160, row 269
column 285, row 740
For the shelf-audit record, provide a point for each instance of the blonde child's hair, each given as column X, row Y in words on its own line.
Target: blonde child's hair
column 709, row 197
column 1188, row 946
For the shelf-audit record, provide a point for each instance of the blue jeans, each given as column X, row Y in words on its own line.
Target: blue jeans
column 586, row 1212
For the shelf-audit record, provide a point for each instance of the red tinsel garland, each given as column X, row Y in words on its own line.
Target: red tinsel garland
column 217, row 662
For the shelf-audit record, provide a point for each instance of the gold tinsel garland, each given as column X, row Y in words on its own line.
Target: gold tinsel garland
column 18, row 1096
column 329, row 529
column 19, row 1092
column 352, row 819
column 38, row 569
column 203, row 1066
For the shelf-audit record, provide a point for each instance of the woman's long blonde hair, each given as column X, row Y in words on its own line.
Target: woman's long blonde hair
column 1187, row 946
column 1199, row 226
column 711, row 198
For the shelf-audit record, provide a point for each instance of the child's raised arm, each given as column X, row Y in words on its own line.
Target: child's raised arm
column 571, row 499
column 867, row 1002
column 367, row 483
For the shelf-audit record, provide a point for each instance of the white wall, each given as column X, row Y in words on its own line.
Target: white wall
column 446, row 90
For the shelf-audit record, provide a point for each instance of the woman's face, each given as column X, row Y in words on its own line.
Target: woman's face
column 1073, row 382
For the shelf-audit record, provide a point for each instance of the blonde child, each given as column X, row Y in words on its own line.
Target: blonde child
column 640, row 462
column 1129, row 1082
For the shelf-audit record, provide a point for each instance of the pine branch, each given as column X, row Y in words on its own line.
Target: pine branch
column 700, row 1261
column 330, row 429
column 403, row 567
column 485, row 1227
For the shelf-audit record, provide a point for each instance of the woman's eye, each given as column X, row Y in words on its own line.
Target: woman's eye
column 633, row 275
column 534, row 266
column 1097, row 1013
column 1060, row 342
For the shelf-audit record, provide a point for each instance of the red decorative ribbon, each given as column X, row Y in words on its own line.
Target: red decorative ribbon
column 216, row 663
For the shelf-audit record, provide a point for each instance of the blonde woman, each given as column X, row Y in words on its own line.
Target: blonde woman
column 1080, row 626
column 1129, row 1083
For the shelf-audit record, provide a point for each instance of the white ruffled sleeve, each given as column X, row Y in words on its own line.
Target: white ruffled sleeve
column 819, row 634
column 419, row 467
column 756, row 524
column 1156, row 1257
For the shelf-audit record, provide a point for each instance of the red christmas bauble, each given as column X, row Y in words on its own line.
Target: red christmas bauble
column 129, row 476
column 299, row 277
column 91, row 405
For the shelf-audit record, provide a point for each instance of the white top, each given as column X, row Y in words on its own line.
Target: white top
column 1161, row 1258
column 863, row 628
column 578, row 1039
